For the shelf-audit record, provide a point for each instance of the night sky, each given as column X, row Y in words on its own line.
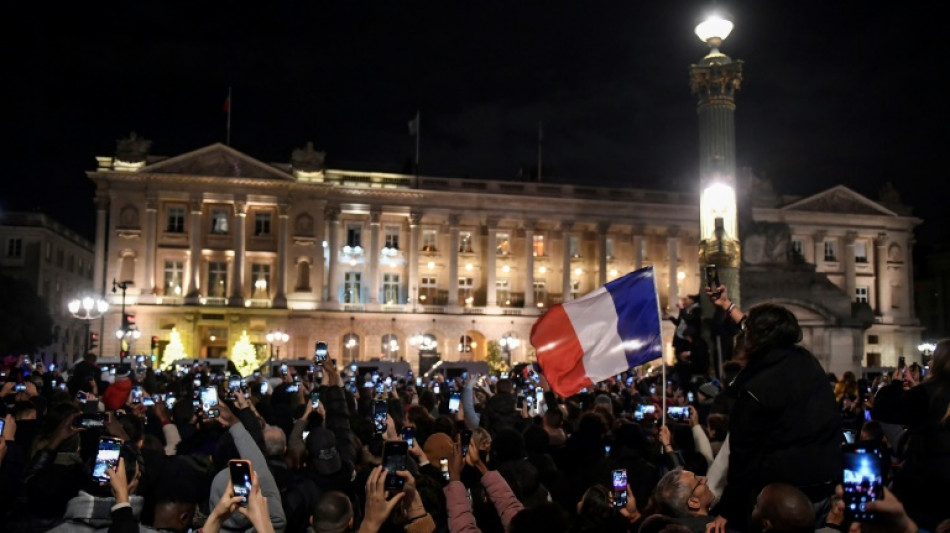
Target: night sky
column 834, row 92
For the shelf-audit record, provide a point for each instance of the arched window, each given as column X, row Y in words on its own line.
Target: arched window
column 466, row 344
column 303, row 276
column 351, row 347
column 389, row 349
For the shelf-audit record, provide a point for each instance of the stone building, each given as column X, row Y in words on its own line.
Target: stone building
column 214, row 243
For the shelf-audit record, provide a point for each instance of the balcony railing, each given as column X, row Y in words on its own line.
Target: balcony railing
column 214, row 301
column 257, row 302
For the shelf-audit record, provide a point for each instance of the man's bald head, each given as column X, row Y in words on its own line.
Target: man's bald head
column 780, row 507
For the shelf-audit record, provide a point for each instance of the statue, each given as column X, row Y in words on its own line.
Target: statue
column 307, row 159
column 767, row 243
column 132, row 149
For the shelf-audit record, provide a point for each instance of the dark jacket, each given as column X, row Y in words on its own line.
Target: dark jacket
column 500, row 413
column 784, row 427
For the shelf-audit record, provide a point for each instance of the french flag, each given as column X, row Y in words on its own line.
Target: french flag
column 608, row 331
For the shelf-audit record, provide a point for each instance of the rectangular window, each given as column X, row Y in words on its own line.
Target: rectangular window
column 173, row 276
column 354, row 234
column 428, row 290
column 465, row 242
column 390, row 289
column 575, row 246
column 540, row 293
column 538, row 245
column 502, row 244
column 860, row 252
column 260, row 278
column 465, row 291
column 261, row 224
column 798, row 248
column 861, row 294
column 575, row 289
column 873, row 359
column 219, row 221
column 872, row 339
column 610, row 248
column 15, row 247
column 831, row 251
column 217, row 279
column 502, row 292
column 392, row 237
column 176, row 220
column 429, row 239
column 644, row 249
column 351, row 287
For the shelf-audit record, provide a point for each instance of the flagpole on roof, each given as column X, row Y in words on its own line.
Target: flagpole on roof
column 418, row 136
column 227, row 138
column 540, row 139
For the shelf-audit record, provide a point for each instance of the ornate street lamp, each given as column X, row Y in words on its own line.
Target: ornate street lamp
column 87, row 309
column 508, row 343
column 276, row 339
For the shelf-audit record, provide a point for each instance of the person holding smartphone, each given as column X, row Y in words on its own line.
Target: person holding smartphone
column 785, row 426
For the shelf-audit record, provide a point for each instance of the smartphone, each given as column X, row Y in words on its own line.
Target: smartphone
column 712, row 277
column 848, row 436
column 863, row 469
column 619, row 487
column 3, row 423
column 689, row 397
column 454, row 402
column 444, row 467
column 435, row 389
column 409, row 435
column 90, row 420
column 170, row 400
column 234, row 384
column 293, row 388
column 148, row 401
column 465, row 439
column 395, row 454
column 283, row 370
column 137, row 394
column 520, row 404
column 264, row 388
column 107, row 458
column 320, row 351
column 418, row 382
column 901, row 363
column 380, row 410
column 19, row 387
column 209, row 397
column 642, row 410
column 538, row 396
column 240, row 471
column 315, row 400
column 677, row 413
column 652, row 389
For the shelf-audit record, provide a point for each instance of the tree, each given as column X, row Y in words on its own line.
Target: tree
column 25, row 322
column 173, row 352
column 496, row 361
column 245, row 356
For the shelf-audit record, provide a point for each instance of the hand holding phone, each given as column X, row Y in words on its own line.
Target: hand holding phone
column 712, row 281
column 465, row 439
column 619, row 488
column 107, row 458
column 380, row 411
column 320, row 351
column 395, row 454
column 240, row 471
column 454, row 402
column 863, row 480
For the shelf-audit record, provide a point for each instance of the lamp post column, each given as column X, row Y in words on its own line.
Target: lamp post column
column 529, row 264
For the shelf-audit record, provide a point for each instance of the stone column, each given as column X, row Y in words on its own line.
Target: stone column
column 373, row 252
column 240, row 247
column 908, row 281
column 638, row 239
column 151, row 239
column 883, row 284
column 453, row 299
column 602, row 228
column 280, row 298
column 194, row 261
column 333, row 291
column 491, row 292
column 415, row 218
column 99, row 269
column 566, row 228
column 673, row 247
column 529, row 302
column 850, row 273
column 819, row 245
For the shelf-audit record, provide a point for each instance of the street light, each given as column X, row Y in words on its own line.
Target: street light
column 508, row 343
column 276, row 338
column 87, row 309
column 926, row 350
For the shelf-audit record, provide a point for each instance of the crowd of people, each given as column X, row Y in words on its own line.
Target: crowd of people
column 762, row 447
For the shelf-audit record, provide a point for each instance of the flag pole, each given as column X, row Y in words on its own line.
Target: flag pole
column 656, row 291
column 227, row 137
column 418, row 135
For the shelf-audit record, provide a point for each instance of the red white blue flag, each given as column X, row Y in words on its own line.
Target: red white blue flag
column 608, row 331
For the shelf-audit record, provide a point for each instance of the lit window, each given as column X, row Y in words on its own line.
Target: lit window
column 260, row 277
column 575, row 289
column 798, row 248
column 261, row 224
column 176, row 220
column 392, row 237
column 610, row 248
column 354, row 235
column 575, row 246
column 217, row 279
column 429, row 238
column 465, row 291
column 390, row 288
column 219, row 221
column 502, row 244
column 831, row 251
column 538, row 245
column 428, row 290
column 540, row 294
column 502, row 292
column 465, row 242
column 351, row 287
column 173, row 275
column 860, row 252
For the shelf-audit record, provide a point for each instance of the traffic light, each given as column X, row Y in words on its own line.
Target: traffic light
column 128, row 321
column 93, row 341
column 154, row 343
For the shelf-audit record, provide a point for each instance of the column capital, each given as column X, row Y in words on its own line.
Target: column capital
column 850, row 237
column 673, row 232
column 820, row 235
column 283, row 209
column 881, row 239
column 332, row 213
column 603, row 227
column 567, row 226
column 530, row 224
column 102, row 202
column 151, row 203
column 194, row 205
column 492, row 222
column 453, row 221
column 415, row 218
column 240, row 208
column 374, row 215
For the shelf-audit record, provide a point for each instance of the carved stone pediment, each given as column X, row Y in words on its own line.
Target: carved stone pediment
column 218, row 160
column 840, row 200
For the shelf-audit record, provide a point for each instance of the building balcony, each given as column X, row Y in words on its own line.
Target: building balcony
column 214, row 301
column 258, row 302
